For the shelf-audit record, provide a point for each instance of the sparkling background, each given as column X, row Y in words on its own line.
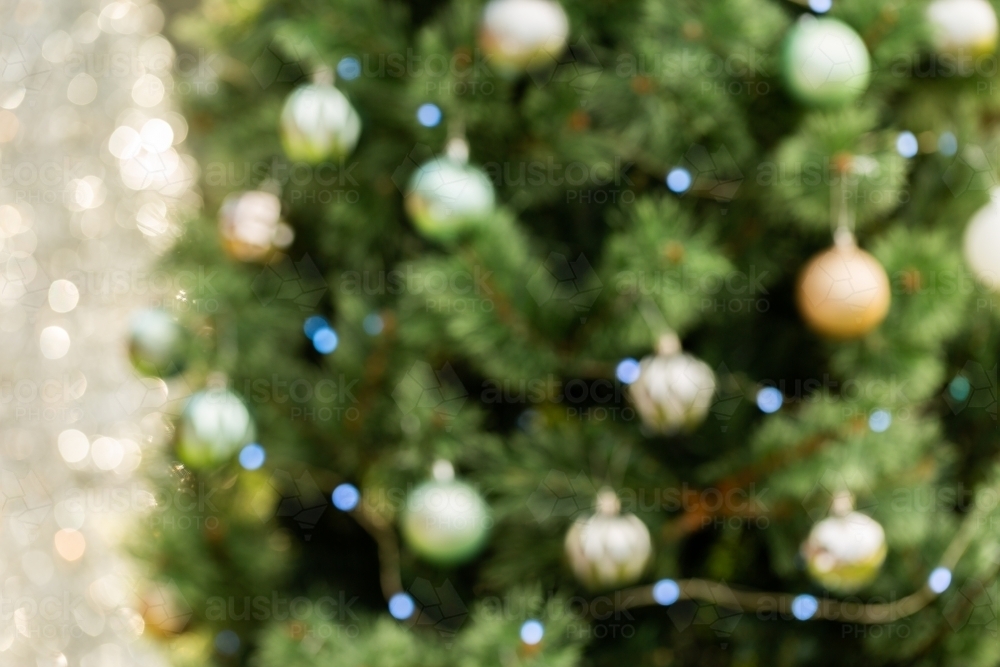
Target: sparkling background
column 91, row 180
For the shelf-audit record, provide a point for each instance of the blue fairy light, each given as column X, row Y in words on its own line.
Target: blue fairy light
column 401, row 606
column 345, row 497
column 879, row 421
column 532, row 632
column 373, row 324
column 679, row 180
column 314, row 324
column 666, row 592
column 429, row 115
column 939, row 580
column 906, row 144
column 948, row 144
column 804, row 607
column 325, row 340
column 627, row 371
column 349, row 68
column 252, row 456
column 960, row 388
column 770, row 399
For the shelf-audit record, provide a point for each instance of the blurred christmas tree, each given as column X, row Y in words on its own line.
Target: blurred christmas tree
column 502, row 310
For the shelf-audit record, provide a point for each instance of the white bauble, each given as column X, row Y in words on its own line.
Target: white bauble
column 674, row 390
column 523, row 34
column 446, row 197
column 249, row 223
column 982, row 244
column 318, row 123
column 214, row 425
column 845, row 553
column 961, row 27
column 608, row 549
column 824, row 62
column 446, row 521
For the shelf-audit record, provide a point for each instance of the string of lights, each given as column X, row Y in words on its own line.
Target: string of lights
column 665, row 592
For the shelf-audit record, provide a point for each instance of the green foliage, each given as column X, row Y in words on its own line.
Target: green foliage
column 486, row 323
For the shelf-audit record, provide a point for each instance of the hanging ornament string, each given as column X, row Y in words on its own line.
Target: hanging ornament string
column 655, row 319
column 324, row 75
column 842, row 213
column 457, row 148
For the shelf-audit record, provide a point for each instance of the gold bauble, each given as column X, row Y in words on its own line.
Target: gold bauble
column 164, row 610
column 843, row 292
column 250, row 225
column 845, row 551
column 963, row 28
column 518, row 35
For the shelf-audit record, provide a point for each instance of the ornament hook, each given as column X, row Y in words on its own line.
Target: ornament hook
column 323, row 76
column 843, row 503
column 667, row 341
column 842, row 213
column 607, row 502
column 457, row 147
column 443, row 470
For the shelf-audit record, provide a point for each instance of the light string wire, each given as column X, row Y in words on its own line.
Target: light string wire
column 716, row 592
column 842, row 213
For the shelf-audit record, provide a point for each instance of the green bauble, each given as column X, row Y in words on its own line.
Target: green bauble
column 214, row 425
column 445, row 522
column 156, row 343
column 824, row 62
column 318, row 123
column 845, row 553
column 446, row 197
